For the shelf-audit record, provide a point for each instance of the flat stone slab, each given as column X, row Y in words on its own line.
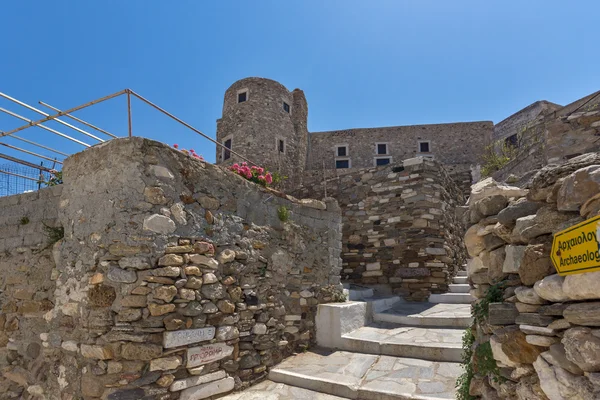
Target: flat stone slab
column 269, row 390
column 366, row 376
column 429, row 310
column 435, row 344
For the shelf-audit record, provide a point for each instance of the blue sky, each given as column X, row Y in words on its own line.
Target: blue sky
column 360, row 63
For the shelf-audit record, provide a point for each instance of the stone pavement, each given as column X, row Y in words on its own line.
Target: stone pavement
column 366, row 376
column 269, row 390
column 427, row 314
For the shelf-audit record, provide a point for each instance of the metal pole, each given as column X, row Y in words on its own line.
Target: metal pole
column 69, row 111
column 79, row 120
column 20, row 176
column 129, row 110
column 2, row 134
column 19, row 161
column 189, row 126
column 47, row 115
column 38, row 145
column 28, row 152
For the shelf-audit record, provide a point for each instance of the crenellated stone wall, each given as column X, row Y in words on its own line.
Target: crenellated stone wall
column 399, row 229
column 174, row 279
column 536, row 333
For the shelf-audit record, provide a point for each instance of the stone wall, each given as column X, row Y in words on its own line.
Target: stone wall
column 27, row 284
column 522, row 119
column 536, row 333
column 174, row 279
column 399, row 229
column 457, row 143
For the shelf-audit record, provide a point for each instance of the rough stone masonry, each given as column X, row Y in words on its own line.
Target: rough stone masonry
column 174, row 278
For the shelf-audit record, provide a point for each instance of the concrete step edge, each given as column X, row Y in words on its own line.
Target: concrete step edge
column 427, row 321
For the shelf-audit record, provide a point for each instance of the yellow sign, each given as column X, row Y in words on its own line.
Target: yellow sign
column 576, row 250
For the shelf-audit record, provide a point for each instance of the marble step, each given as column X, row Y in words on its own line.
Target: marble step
column 460, row 279
column 434, row 344
column 427, row 315
column 269, row 390
column 452, row 298
column 367, row 376
column 459, row 288
column 462, row 273
column 360, row 294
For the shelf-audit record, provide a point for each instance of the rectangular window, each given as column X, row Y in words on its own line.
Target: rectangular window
column 382, row 148
column 342, row 151
column 342, row 164
column 512, row 141
column 226, row 150
column 424, row 147
column 286, row 107
column 382, row 161
column 242, row 97
column 281, row 145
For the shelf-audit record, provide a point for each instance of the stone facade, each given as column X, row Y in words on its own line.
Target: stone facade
column 257, row 121
column 541, row 328
column 522, row 119
column 399, row 230
column 174, row 279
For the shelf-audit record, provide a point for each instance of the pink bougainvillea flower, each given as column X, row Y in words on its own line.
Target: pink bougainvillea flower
column 261, row 170
column 236, row 166
column 269, row 178
column 261, row 177
column 176, row 145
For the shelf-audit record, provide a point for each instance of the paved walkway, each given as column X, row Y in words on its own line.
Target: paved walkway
column 269, row 390
column 361, row 376
column 425, row 337
column 441, row 310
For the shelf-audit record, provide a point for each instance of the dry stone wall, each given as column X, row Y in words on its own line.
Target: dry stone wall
column 540, row 329
column 174, row 279
column 399, row 229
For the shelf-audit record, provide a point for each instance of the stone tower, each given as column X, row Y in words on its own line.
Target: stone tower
column 266, row 123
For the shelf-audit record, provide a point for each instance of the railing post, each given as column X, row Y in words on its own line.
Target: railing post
column 129, row 110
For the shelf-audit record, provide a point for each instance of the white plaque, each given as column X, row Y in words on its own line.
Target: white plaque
column 206, row 354
column 181, row 338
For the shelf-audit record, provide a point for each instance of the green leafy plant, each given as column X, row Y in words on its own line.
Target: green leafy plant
column 54, row 233
column 484, row 362
column 24, row 220
column 283, row 213
column 480, row 309
column 254, row 174
column 496, row 156
column 56, row 178
column 463, row 383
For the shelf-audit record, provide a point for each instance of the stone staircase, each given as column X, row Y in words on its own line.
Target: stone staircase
column 459, row 292
column 378, row 348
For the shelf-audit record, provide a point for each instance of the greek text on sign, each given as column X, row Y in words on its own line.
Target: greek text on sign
column 188, row 336
column 576, row 250
column 206, row 354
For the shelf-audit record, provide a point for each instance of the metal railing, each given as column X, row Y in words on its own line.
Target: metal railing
column 100, row 135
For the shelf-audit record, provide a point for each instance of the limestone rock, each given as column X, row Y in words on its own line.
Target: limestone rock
column 528, row 388
column 550, row 288
column 165, row 293
column 172, row 271
column 209, row 278
column 495, row 265
column 473, row 241
column 141, row 351
column 582, row 347
column 160, row 309
column 512, row 261
column 578, row 187
column 480, row 277
column 535, row 264
column 560, row 384
column 194, row 282
column 491, row 205
column 583, row 314
column 556, row 355
column 544, row 180
column 178, row 212
column 503, row 232
column 226, row 256
column 165, row 364
column 159, row 224
column 489, row 187
column 226, row 306
column 520, row 208
column 492, row 242
column 474, row 264
column 204, row 261
column 214, row 291
column 96, row 352
column 170, row 260
column 546, row 220
column 121, row 275
column 154, row 195
column 134, row 262
column 584, row 286
column 591, row 207
column 510, row 347
column 542, row 341
column 528, row 296
column 227, row 333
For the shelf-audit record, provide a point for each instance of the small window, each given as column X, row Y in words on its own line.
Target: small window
column 242, row 97
column 342, row 151
column 382, row 148
column 512, row 141
column 342, row 164
column 226, row 150
column 424, row 147
column 382, row 161
column 286, row 107
column 281, row 145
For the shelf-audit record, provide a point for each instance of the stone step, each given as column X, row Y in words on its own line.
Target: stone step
column 462, row 273
column 269, row 390
column 367, row 376
column 434, row 344
column 427, row 315
column 459, row 287
column 360, row 294
column 383, row 303
column 452, row 298
column 460, row 279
